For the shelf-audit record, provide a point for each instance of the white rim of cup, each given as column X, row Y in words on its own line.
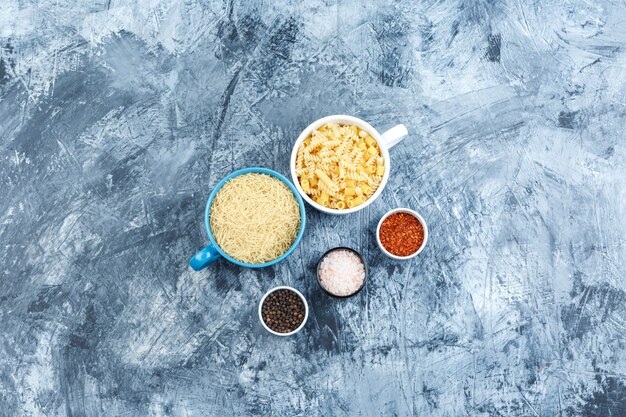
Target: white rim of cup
column 306, row 310
column 414, row 214
column 340, row 118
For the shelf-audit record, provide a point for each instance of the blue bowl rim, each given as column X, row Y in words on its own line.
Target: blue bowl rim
column 259, row 170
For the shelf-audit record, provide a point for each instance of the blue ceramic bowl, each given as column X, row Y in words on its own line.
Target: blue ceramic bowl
column 213, row 252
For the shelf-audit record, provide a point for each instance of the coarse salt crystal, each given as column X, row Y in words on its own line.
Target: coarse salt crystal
column 342, row 272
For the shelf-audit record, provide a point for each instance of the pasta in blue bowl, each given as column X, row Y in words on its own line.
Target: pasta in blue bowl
column 254, row 218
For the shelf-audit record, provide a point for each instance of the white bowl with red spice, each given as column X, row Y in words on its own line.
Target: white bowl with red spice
column 401, row 233
column 342, row 272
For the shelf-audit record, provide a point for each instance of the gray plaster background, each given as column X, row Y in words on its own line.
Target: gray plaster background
column 117, row 118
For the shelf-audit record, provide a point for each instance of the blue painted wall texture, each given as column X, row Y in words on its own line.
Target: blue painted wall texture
column 118, row 117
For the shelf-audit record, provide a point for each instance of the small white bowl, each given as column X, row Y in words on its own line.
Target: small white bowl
column 412, row 213
column 306, row 310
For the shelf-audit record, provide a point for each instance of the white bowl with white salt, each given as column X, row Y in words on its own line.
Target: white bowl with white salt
column 342, row 272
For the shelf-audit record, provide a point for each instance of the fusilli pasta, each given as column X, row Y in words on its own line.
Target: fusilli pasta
column 339, row 166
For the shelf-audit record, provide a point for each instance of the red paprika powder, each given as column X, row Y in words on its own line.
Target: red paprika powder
column 401, row 234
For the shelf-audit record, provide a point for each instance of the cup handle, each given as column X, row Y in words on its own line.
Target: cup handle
column 204, row 258
column 395, row 135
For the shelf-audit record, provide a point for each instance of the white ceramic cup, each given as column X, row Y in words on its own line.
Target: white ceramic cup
column 306, row 310
column 385, row 141
column 412, row 213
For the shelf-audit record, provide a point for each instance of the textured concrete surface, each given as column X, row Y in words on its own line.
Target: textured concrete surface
column 117, row 118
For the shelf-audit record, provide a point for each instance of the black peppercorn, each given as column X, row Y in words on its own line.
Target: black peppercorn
column 283, row 311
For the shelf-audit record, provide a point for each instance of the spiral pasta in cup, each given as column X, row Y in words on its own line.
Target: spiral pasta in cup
column 340, row 164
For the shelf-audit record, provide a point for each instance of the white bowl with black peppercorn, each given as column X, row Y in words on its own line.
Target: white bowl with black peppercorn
column 283, row 311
